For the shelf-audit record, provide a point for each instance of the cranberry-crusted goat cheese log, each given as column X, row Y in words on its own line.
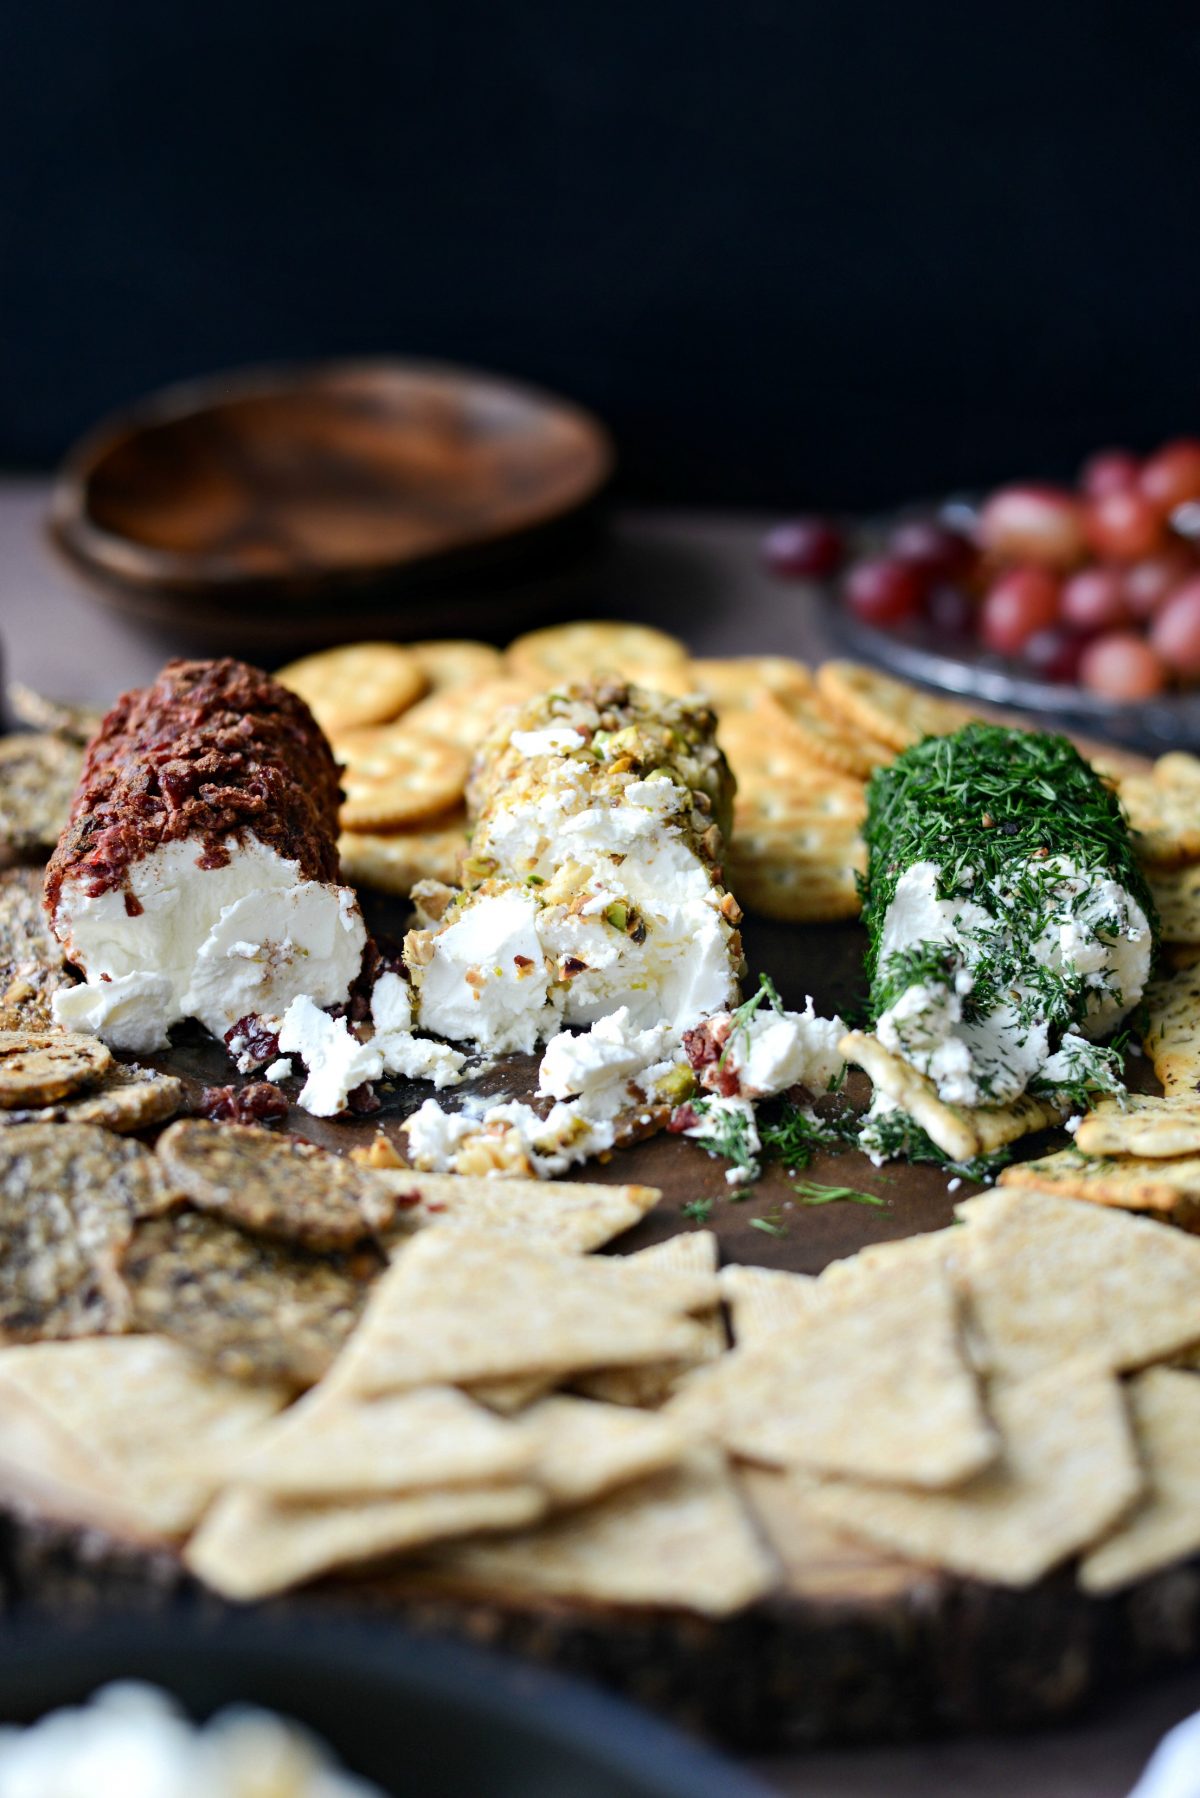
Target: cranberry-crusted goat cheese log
column 593, row 879
column 198, row 873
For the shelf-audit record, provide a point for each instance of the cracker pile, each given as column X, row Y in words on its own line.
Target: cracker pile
column 801, row 745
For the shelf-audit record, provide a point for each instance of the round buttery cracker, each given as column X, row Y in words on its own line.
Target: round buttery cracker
column 577, row 651
column 38, row 1067
column 393, row 862
column 395, row 777
column 466, row 715
column 885, row 708
column 274, row 1185
column 455, row 662
column 357, row 684
column 38, row 777
column 736, row 683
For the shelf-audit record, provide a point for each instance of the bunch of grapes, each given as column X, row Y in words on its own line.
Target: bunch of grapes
column 1098, row 585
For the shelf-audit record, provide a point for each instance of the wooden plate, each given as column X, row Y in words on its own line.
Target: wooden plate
column 292, row 502
column 857, row 1644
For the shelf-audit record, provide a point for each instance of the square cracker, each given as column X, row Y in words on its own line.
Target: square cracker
column 250, row 1545
column 834, row 1391
column 1142, row 1124
column 1172, row 1035
column 696, row 1253
column 681, row 1539
column 582, row 1450
column 1049, row 1279
column 330, row 1444
column 1067, row 1472
column 959, row 1131
column 569, row 1215
column 1165, row 1527
column 460, row 1306
column 763, row 1301
column 1168, row 1188
column 154, row 1422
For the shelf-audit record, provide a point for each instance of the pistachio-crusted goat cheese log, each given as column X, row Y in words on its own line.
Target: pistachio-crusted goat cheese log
column 198, row 873
column 1010, row 925
column 593, row 879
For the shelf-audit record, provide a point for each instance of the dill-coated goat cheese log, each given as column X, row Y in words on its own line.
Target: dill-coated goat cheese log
column 1010, row 925
column 593, row 879
column 198, row 873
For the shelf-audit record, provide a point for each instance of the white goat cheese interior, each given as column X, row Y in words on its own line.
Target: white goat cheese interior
column 338, row 1060
column 209, row 943
column 550, row 948
column 1085, row 931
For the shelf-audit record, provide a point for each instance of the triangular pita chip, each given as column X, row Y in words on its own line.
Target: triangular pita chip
column 1165, row 1527
column 960, row 1131
column 581, row 1449
column 1068, row 1470
column 1142, row 1124
column 567, row 1215
column 763, row 1300
column 1169, row 1189
column 695, row 1253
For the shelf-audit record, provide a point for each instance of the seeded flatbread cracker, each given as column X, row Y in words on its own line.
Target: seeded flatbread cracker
column 126, row 1098
column 393, row 862
column 466, row 715
column 695, row 1253
column 1049, row 1280
column 460, row 1305
column 581, row 1449
column 1163, row 808
column 1141, row 1124
column 1172, row 1035
column 38, row 777
column 1176, row 893
column 1067, row 1472
column 155, row 1421
column 62, row 717
column 833, row 1391
column 455, row 662
column 37, row 1067
column 1169, row 1189
column 275, row 1186
column 885, row 708
column 562, row 653
column 69, row 1197
column 250, row 1308
column 356, row 684
column 1165, row 1406
column 961, row 1132
column 764, row 1300
column 571, row 1216
column 394, row 778
column 31, row 961
column 251, row 1545
column 328, row 1446
column 681, row 1539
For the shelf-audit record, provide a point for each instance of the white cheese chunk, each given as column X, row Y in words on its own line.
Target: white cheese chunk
column 553, row 740
column 131, row 1012
column 337, row 1062
column 605, row 1058
column 775, row 1051
column 486, row 982
column 218, row 943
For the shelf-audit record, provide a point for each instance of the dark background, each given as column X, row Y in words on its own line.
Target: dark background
column 794, row 253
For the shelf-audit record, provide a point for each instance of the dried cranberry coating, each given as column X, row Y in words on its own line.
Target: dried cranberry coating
column 212, row 751
column 257, row 1103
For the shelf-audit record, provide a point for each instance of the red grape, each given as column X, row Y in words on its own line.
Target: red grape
column 1093, row 599
column 1020, row 603
column 882, row 591
column 1054, row 654
column 1147, row 583
column 1175, row 632
column 1171, row 475
column 1108, row 471
column 1123, row 526
column 1043, row 525
column 950, row 611
column 804, row 548
column 1122, row 666
column 936, row 550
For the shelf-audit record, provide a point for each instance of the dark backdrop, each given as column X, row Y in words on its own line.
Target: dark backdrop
column 795, row 253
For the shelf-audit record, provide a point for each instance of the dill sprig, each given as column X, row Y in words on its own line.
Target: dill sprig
column 740, row 1019
column 811, row 1192
column 794, row 1135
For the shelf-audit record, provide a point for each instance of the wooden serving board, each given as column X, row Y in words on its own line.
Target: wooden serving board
column 857, row 1645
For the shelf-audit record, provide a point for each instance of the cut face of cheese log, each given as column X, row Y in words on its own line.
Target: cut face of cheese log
column 1009, row 921
column 593, row 878
column 198, row 875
